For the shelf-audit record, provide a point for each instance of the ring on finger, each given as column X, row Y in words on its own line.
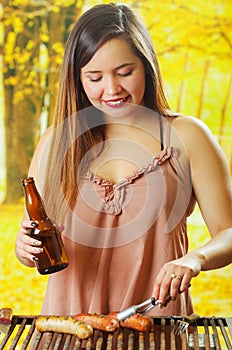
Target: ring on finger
column 173, row 275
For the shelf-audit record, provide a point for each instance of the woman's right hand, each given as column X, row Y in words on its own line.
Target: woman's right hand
column 27, row 248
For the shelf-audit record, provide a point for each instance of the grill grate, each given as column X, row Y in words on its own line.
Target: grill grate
column 208, row 333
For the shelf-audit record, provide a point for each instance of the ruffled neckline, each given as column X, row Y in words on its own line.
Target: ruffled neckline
column 150, row 166
column 114, row 193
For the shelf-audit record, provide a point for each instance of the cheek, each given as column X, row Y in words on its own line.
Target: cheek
column 138, row 87
column 92, row 91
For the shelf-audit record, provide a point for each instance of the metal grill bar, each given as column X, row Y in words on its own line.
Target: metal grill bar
column 206, row 328
column 224, row 333
column 216, row 338
column 208, row 333
column 229, row 324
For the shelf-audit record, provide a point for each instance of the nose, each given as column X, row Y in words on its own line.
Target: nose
column 112, row 86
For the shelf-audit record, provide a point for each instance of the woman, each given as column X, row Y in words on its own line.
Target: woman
column 123, row 173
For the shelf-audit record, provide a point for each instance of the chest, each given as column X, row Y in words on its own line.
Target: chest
column 122, row 157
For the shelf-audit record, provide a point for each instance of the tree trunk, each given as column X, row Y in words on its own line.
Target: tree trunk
column 21, row 114
column 26, row 98
column 59, row 26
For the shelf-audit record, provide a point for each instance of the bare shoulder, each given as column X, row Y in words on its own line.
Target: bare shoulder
column 196, row 136
column 191, row 126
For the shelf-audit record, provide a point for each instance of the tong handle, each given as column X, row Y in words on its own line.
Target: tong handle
column 141, row 308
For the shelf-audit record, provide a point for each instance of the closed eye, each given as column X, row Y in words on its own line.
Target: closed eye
column 95, row 79
column 125, row 74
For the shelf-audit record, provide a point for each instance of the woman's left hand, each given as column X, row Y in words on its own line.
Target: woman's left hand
column 175, row 277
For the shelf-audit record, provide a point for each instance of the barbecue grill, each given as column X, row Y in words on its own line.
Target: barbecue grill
column 207, row 333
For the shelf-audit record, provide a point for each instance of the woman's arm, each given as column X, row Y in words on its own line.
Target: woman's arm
column 213, row 190
column 212, row 187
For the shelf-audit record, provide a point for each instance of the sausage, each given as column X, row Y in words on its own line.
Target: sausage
column 61, row 324
column 102, row 322
column 137, row 322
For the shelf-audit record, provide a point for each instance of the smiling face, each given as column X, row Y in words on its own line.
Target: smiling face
column 114, row 78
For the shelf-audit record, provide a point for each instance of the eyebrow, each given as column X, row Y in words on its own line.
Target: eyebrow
column 115, row 69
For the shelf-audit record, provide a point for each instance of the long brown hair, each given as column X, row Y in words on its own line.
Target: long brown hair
column 73, row 135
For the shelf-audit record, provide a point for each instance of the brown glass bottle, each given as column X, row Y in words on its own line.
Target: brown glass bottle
column 53, row 258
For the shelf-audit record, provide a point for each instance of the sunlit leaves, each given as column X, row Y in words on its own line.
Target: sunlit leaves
column 12, row 80
column 58, row 49
column 18, row 2
column 44, row 33
column 64, row 3
column 9, row 49
column 17, row 24
column 21, row 288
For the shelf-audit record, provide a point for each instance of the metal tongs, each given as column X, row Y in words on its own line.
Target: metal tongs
column 141, row 308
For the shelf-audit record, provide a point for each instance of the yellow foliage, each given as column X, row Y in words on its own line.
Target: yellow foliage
column 9, row 47
column 23, row 57
column 21, row 94
column 58, row 47
column 12, row 81
column 44, row 34
column 18, row 96
column 21, row 288
column 30, row 45
column 56, row 9
column 19, row 2
column 31, row 79
column 64, row 3
column 44, row 37
column 17, row 24
column 58, row 60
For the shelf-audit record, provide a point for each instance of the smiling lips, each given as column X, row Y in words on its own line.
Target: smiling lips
column 119, row 102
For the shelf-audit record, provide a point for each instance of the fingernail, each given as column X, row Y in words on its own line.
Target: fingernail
column 35, row 258
column 37, row 243
column 38, row 250
column 173, row 299
column 34, row 224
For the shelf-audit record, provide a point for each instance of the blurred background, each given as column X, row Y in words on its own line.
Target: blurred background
column 193, row 41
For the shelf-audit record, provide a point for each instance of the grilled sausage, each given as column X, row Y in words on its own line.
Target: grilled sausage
column 61, row 324
column 137, row 322
column 102, row 322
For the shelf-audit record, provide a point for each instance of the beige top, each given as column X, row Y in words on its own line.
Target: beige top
column 118, row 237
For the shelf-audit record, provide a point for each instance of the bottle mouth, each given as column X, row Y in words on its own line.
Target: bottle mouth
column 27, row 180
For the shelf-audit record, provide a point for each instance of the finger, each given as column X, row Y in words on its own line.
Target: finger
column 25, row 255
column 185, row 283
column 30, row 241
column 164, row 290
column 29, row 252
column 28, row 223
column 175, row 284
column 157, row 285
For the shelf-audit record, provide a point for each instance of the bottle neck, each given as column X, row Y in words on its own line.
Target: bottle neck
column 34, row 203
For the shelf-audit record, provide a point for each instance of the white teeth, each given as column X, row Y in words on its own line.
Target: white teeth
column 115, row 102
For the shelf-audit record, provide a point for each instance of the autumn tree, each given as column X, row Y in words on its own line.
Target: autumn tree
column 34, row 37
